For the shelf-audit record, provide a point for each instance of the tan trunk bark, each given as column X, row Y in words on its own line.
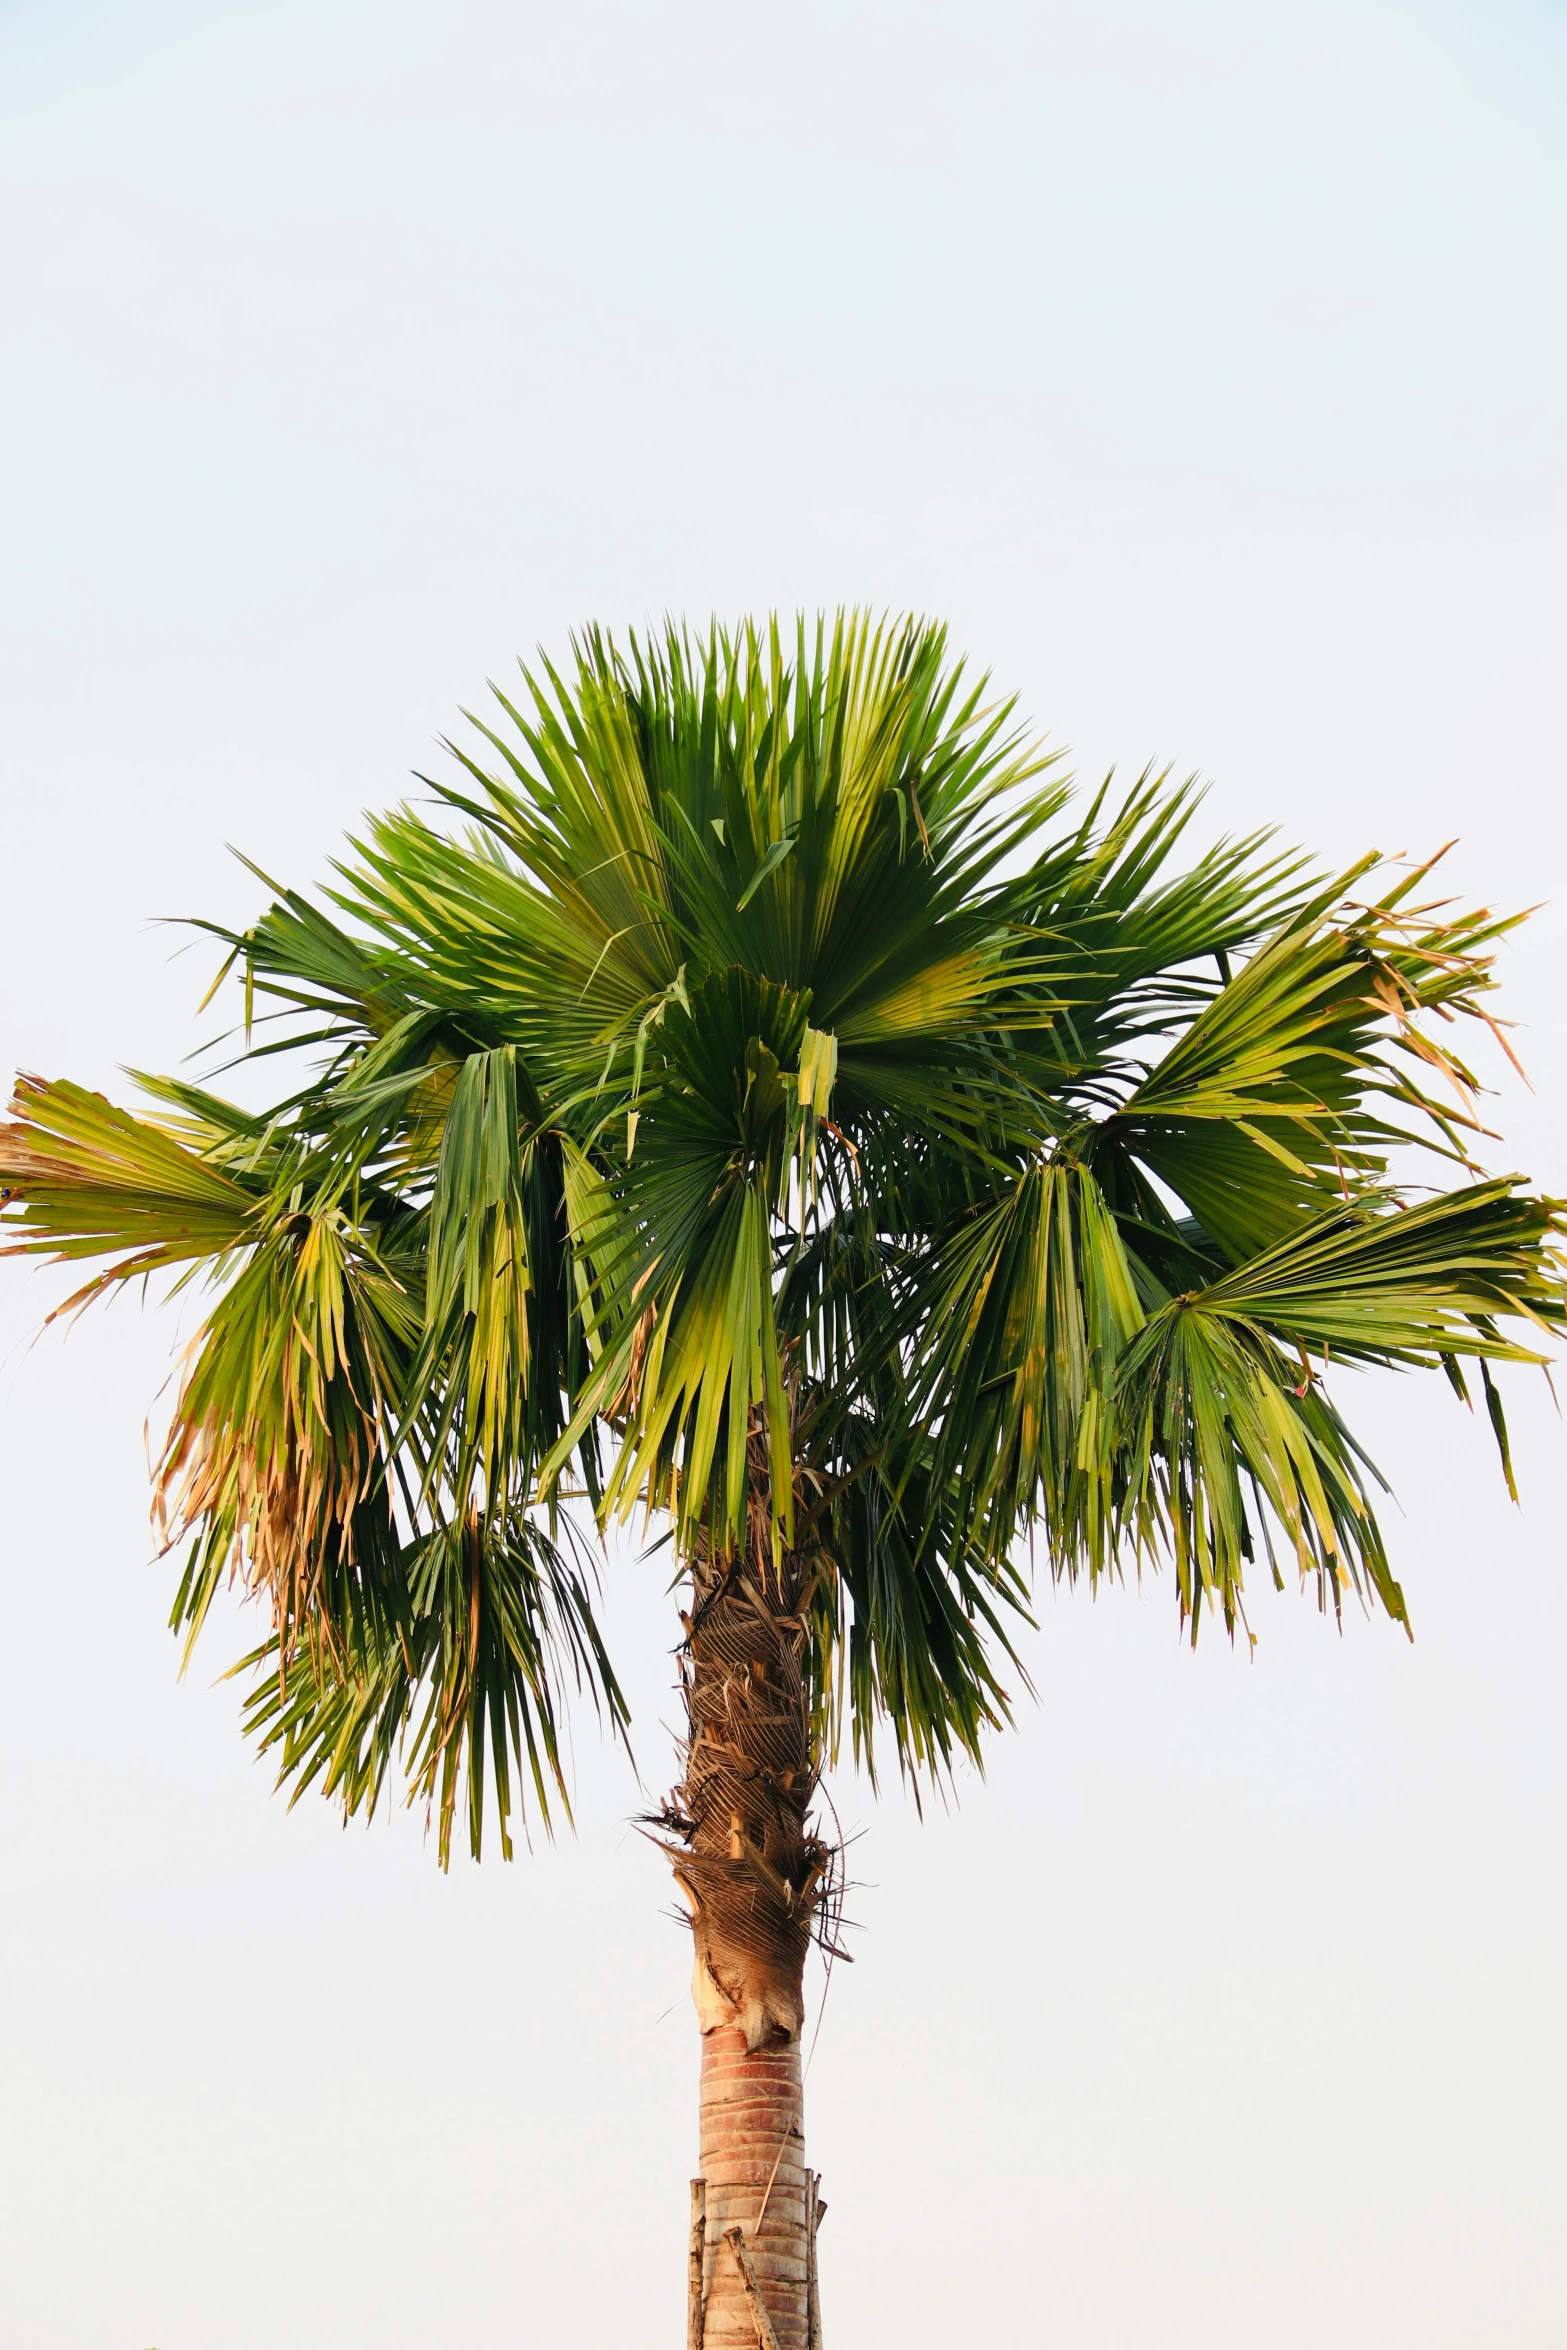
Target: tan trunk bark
column 752, row 1873
column 748, row 1865
column 753, row 2154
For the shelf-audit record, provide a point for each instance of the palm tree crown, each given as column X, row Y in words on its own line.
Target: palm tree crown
column 748, row 1098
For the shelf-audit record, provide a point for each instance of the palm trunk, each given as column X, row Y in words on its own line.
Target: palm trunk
column 753, row 2154
column 752, row 1874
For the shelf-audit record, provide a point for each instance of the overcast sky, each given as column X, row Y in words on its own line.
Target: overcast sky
column 1205, row 366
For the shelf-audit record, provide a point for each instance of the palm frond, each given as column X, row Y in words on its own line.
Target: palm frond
column 80, row 1178
column 464, row 1698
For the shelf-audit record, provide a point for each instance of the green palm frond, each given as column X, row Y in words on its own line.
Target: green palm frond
column 1377, row 1282
column 1214, row 1439
column 1220, row 1387
column 89, row 1180
column 1299, row 1077
column 460, row 1697
column 1025, row 1312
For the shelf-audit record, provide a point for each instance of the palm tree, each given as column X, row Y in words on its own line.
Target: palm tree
column 747, row 1103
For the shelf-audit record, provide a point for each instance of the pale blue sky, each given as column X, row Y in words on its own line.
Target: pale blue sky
column 1205, row 365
